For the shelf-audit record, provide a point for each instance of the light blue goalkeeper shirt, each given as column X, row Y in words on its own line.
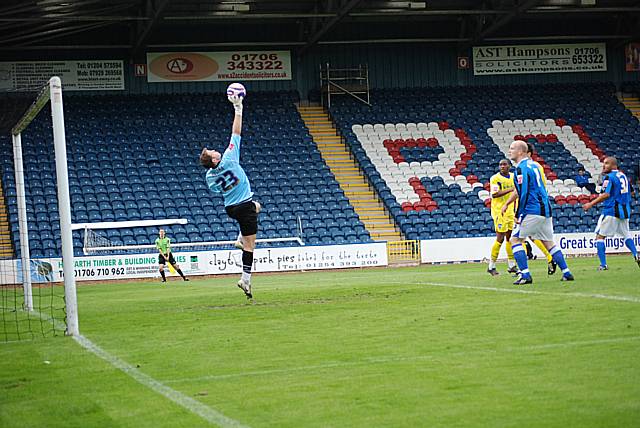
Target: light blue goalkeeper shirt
column 228, row 177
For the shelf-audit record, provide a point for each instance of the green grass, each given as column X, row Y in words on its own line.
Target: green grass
column 357, row 348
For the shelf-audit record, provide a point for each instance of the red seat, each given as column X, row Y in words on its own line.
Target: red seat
column 583, row 199
column 413, row 180
column 398, row 142
column 571, row 199
column 487, row 202
column 519, row 137
column 432, row 208
column 472, row 179
column 432, row 142
column 561, row 122
column 406, row 206
column 560, row 200
column 454, row 172
column 460, row 164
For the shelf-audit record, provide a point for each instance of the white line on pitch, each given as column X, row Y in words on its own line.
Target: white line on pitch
column 194, row 406
column 366, row 361
column 622, row 298
column 188, row 403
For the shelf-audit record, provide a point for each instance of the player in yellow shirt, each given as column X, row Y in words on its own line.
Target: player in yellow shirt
column 551, row 265
column 501, row 188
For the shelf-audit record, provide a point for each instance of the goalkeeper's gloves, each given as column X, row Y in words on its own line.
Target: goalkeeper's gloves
column 237, row 103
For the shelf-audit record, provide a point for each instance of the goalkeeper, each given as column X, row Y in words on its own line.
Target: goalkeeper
column 226, row 176
column 163, row 244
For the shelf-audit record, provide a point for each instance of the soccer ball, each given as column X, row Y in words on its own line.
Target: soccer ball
column 236, row 89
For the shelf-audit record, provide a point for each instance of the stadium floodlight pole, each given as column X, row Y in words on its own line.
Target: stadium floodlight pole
column 22, row 222
column 59, row 141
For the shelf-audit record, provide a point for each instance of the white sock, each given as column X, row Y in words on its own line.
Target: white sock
column 492, row 264
column 246, row 277
column 239, row 237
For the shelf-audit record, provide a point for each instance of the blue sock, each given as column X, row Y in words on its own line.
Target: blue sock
column 558, row 257
column 631, row 246
column 601, row 252
column 521, row 259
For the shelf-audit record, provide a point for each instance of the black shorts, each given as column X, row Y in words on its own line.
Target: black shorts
column 162, row 260
column 246, row 216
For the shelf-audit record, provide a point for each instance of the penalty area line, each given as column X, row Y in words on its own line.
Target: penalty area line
column 622, row 298
column 374, row 360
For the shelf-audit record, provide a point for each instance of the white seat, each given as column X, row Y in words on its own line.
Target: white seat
column 401, row 127
column 550, row 122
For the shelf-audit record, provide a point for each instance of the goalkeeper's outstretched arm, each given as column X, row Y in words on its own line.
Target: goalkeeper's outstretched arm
column 237, row 118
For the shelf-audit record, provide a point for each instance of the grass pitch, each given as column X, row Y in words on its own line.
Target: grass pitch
column 429, row 346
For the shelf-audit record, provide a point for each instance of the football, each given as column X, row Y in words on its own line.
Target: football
column 236, row 89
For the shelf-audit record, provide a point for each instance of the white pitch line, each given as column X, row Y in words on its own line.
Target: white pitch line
column 194, row 406
column 368, row 361
column 622, row 298
column 186, row 402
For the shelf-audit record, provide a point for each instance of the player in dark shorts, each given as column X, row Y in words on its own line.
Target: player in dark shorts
column 226, row 176
column 163, row 244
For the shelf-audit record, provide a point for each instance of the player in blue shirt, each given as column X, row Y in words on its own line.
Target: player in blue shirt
column 614, row 220
column 533, row 215
column 226, row 176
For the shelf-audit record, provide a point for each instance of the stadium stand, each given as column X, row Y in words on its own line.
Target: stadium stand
column 136, row 158
column 430, row 153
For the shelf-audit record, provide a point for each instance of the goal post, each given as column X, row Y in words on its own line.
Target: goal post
column 52, row 92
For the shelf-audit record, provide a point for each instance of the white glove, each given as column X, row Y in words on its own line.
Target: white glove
column 237, row 103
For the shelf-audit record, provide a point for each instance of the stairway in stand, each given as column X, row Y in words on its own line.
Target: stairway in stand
column 6, row 248
column 632, row 103
column 336, row 154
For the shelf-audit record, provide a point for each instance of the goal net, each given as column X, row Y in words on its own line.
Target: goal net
column 110, row 238
column 35, row 220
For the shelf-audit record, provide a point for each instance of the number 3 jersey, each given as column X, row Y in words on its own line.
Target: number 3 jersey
column 228, row 177
column 532, row 192
column 618, row 204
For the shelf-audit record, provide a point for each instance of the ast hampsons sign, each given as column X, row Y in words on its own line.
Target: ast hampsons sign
column 520, row 59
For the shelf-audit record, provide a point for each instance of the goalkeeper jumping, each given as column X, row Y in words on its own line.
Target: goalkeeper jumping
column 226, row 176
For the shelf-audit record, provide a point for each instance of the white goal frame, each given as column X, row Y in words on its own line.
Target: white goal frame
column 88, row 227
column 50, row 92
